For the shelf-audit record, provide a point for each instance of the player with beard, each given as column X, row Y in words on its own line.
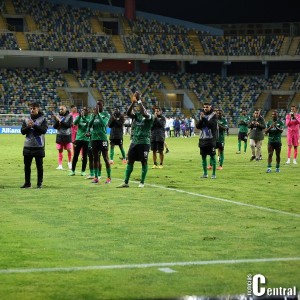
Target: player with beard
column 208, row 125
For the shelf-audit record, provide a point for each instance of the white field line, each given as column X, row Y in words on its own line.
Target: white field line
column 222, row 200
column 150, row 265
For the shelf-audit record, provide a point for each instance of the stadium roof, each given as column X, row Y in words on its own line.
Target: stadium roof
column 217, row 11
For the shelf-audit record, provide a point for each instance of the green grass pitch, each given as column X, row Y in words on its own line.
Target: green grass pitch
column 180, row 235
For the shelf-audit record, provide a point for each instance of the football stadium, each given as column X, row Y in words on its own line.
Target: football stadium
column 154, row 213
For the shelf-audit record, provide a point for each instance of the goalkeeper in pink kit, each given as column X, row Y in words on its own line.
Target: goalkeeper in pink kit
column 292, row 122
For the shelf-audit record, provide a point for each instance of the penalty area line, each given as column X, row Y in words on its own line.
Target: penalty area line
column 226, row 200
column 150, row 265
column 221, row 199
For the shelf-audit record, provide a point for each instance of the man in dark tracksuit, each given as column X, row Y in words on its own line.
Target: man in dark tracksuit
column 158, row 138
column 116, row 125
column 35, row 128
column 208, row 125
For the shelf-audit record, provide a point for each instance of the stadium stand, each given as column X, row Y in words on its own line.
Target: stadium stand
column 83, row 31
column 230, row 93
column 20, row 87
column 8, row 41
column 241, row 45
column 116, row 87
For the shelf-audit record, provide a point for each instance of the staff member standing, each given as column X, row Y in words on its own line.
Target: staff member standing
column 34, row 128
column 257, row 126
column 116, row 125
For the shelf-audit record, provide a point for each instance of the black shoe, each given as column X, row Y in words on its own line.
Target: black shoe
column 252, row 158
column 39, row 186
column 26, row 186
column 167, row 151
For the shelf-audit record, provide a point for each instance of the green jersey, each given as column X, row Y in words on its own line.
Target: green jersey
column 275, row 132
column 98, row 123
column 243, row 124
column 142, row 129
column 82, row 123
column 223, row 125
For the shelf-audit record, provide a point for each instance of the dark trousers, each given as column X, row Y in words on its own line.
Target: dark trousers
column 77, row 148
column 39, row 167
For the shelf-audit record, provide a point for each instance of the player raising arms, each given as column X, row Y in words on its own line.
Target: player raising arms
column 140, row 145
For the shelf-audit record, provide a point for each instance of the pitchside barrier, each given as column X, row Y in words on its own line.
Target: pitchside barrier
column 17, row 129
column 11, row 123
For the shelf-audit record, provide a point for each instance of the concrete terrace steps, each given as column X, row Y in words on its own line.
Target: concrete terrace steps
column 194, row 39
column 22, row 40
column 72, row 81
column 96, row 26
column 64, row 98
column 166, row 80
column 287, row 82
column 31, row 25
column 3, row 24
column 261, row 100
column 9, row 6
column 116, row 39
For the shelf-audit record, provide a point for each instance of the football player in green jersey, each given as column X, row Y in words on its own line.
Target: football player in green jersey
column 220, row 144
column 223, row 126
column 140, row 144
column 274, row 129
column 97, row 131
column 243, row 131
column 81, row 141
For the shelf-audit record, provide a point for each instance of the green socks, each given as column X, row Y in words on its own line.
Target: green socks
column 144, row 173
column 112, row 153
column 123, row 153
column 128, row 171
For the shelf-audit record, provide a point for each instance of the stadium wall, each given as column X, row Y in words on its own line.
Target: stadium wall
column 34, row 62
